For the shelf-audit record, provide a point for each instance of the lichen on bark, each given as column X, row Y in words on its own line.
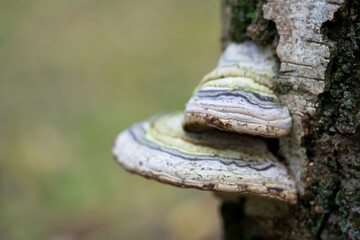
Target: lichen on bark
column 304, row 54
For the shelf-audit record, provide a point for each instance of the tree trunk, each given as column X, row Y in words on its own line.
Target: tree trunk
column 317, row 45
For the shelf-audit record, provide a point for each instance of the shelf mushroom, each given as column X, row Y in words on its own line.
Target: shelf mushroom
column 237, row 95
column 160, row 149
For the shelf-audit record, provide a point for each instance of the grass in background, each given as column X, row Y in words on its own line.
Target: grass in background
column 73, row 74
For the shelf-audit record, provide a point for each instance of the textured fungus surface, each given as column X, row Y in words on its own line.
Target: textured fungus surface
column 160, row 149
column 237, row 95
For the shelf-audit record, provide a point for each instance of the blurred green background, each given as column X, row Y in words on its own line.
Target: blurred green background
column 73, row 74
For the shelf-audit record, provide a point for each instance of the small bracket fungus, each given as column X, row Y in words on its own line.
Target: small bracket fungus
column 237, row 95
column 160, row 149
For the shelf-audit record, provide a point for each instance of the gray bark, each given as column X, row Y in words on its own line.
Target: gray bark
column 317, row 44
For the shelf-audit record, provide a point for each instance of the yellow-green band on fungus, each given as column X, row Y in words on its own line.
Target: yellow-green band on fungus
column 160, row 149
column 237, row 95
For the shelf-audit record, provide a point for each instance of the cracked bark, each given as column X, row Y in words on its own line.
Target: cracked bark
column 317, row 43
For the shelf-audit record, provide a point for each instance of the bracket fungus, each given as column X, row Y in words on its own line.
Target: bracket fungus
column 161, row 149
column 237, row 95
column 237, row 98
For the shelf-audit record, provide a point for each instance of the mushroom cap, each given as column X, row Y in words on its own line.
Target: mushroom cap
column 237, row 95
column 160, row 149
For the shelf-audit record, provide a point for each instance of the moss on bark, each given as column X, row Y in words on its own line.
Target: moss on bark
column 334, row 141
column 246, row 21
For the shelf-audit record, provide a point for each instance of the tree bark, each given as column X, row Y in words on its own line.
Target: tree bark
column 317, row 44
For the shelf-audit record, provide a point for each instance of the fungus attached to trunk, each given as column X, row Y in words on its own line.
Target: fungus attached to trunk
column 160, row 149
column 237, row 95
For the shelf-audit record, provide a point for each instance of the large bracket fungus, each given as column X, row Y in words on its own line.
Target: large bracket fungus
column 238, row 93
column 160, row 149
